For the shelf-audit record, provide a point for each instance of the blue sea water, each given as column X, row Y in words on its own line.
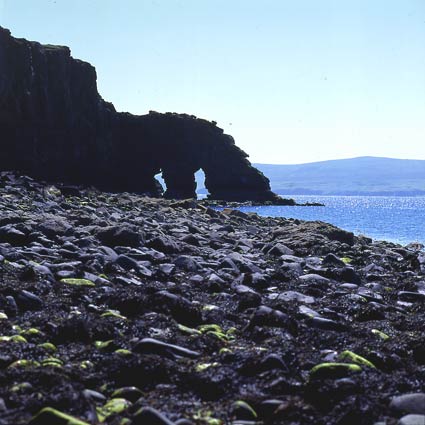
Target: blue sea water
column 396, row 219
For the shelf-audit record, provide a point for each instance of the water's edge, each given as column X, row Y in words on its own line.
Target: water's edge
column 395, row 219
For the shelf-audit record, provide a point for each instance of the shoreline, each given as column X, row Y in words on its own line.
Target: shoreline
column 134, row 309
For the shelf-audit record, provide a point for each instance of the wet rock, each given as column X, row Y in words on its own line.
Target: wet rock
column 327, row 324
column 187, row 263
column 266, row 316
column 180, row 308
column 54, row 228
column 26, row 300
column 126, row 262
column 113, row 236
column 151, row 416
column 49, row 415
column 247, row 297
column 412, row 420
column 273, row 361
column 411, row 296
column 332, row 260
column 164, row 244
column 409, row 403
column 291, row 296
column 279, row 249
column 243, row 411
column 314, row 278
column 153, row 346
column 10, row 234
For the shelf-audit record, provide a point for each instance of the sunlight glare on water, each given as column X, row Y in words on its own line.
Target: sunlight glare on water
column 395, row 219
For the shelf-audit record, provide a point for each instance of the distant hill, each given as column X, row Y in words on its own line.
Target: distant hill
column 356, row 176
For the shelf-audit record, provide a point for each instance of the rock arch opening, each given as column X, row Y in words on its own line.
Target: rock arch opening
column 201, row 189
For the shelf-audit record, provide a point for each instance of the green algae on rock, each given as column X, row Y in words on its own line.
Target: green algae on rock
column 333, row 370
column 355, row 358
column 52, row 416
column 77, row 282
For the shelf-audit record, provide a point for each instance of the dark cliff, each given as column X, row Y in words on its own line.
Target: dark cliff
column 54, row 125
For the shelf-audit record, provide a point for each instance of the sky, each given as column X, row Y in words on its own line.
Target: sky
column 293, row 81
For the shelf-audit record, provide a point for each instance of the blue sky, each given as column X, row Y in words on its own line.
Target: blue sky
column 292, row 81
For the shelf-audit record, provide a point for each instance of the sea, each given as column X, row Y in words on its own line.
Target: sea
column 395, row 219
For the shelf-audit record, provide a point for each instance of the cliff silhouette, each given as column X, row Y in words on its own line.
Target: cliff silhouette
column 54, row 125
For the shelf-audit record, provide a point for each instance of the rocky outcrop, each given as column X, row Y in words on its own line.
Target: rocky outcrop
column 54, row 125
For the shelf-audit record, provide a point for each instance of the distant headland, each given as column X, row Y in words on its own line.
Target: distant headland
column 367, row 175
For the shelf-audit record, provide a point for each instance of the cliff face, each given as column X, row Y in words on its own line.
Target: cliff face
column 54, row 125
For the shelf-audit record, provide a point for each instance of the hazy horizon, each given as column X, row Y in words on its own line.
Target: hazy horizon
column 293, row 83
column 341, row 159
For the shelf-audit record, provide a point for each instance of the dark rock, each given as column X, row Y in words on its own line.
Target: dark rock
column 291, row 296
column 180, row 308
column 279, row 250
column 243, row 411
column 28, row 301
column 412, row 420
column 273, row 361
column 332, row 260
column 327, row 324
column 54, row 228
column 113, row 236
column 184, row 422
column 266, row 316
column 153, row 346
column 411, row 296
column 409, row 403
column 12, row 235
column 150, row 416
column 163, row 244
column 247, row 297
column 50, row 105
column 187, row 263
column 126, row 263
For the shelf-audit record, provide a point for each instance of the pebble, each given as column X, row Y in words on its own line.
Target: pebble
column 409, row 403
column 412, row 420
column 153, row 346
column 327, row 324
column 150, row 416
column 26, row 300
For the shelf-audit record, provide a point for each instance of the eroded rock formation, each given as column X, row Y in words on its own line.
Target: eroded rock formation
column 54, row 125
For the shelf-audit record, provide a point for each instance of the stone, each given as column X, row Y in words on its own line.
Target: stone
column 332, row 260
column 279, row 249
column 327, row 324
column 291, row 296
column 126, row 262
column 153, row 346
column 242, row 410
column 151, row 416
column 312, row 277
column 26, row 300
column 12, row 235
column 411, row 296
column 187, row 263
column 113, row 236
column 163, row 244
column 409, row 403
column 52, row 416
column 412, row 420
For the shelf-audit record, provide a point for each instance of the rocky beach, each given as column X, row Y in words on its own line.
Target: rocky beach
column 122, row 304
column 123, row 309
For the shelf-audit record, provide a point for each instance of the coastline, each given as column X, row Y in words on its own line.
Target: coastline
column 181, row 311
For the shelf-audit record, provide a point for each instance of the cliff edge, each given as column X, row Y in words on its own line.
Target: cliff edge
column 54, row 125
